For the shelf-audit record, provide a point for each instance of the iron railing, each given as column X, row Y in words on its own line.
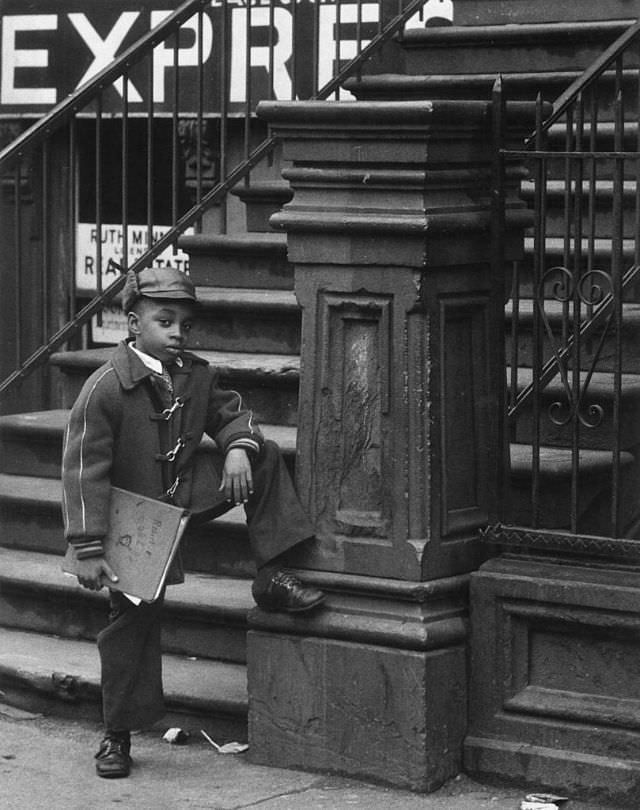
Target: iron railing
column 153, row 142
column 574, row 312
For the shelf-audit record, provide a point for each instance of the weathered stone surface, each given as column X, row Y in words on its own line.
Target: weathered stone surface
column 401, row 388
column 554, row 688
column 388, row 230
column 361, row 710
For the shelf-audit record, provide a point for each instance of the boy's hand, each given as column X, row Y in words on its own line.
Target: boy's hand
column 236, row 476
column 92, row 571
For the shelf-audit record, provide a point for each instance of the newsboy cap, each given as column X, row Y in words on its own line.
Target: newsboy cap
column 157, row 282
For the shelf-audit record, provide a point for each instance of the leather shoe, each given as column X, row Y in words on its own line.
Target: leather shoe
column 285, row 593
column 113, row 760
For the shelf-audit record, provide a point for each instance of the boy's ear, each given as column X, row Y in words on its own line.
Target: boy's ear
column 133, row 322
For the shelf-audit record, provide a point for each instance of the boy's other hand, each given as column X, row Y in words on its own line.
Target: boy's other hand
column 237, row 482
column 93, row 571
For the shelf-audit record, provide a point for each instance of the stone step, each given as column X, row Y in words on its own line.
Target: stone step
column 31, row 443
column 247, row 320
column 44, row 673
column 554, row 256
column 591, row 352
column 250, row 261
column 527, row 47
column 597, row 204
column 555, row 489
column 600, row 394
column 268, row 382
column 517, row 85
column 31, row 519
column 205, row 617
column 495, row 12
column 262, row 198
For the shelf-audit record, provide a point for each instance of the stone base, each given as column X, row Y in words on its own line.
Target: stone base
column 554, row 691
column 371, row 707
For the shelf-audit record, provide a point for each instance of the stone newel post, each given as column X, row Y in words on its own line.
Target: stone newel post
column 401, row 392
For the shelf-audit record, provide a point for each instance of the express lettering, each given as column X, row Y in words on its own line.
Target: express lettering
column 32, row 43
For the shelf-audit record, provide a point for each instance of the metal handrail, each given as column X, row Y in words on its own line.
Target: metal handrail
column 64, row 111
column 591, row 75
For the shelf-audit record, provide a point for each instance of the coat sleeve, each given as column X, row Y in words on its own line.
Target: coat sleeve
column 229, row 423
column 86, row 464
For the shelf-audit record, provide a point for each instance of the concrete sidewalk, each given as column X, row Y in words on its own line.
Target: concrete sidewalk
column 47, row 764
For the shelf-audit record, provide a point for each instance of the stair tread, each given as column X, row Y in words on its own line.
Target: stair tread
column 428, row 79
column 555, row 309
column 37, row 489
column 601, row 247
column 559, row 186
column 237, row 362
column 35, row 423
column 600, row 381
column 514, row 33
column 240, row 298
column 37, row 657
column 558, row 461
column 202, row 592
column 235, row 243
column 51, row 424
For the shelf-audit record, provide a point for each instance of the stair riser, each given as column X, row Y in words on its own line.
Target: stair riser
column 490, row 12
column 554, row 258
column 601, row 437
column 219, row 547
column 537, row 55
column 252, row 271
column 83, row 701
column 525, row 88
column 556, row 167
column 273, row 401
column 247, row 331
column 21, row 455
column 603, row 221
column 606, row 359
column 32, row 527
column 555, row 501
column 594, row 503
column 80, row 617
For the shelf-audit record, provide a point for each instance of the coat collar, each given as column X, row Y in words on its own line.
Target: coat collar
column 131, row 371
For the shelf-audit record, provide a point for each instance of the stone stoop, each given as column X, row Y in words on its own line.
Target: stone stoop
column 50, row 622
column 463, row 61
column 268, row 382
column 249, row 329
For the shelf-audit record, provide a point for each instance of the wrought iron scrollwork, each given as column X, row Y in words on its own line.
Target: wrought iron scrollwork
column 591, row 289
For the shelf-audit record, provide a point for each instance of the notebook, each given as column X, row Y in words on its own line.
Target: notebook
column 143, row 538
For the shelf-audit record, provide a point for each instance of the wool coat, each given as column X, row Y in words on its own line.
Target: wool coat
column 126, row 430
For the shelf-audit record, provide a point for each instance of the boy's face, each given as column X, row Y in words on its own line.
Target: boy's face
column 161, row 328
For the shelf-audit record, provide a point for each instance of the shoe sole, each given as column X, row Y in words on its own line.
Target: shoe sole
column 115, row 774
column 304, row 609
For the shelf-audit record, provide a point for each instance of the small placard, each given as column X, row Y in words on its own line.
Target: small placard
column 112, row 249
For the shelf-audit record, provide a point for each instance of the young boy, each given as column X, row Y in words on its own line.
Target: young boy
column 137, row 424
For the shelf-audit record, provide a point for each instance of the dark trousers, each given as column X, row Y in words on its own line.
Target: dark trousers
column 131, row 663
column 130, row 646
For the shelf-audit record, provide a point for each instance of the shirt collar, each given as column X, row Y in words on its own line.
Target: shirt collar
column 152, row 362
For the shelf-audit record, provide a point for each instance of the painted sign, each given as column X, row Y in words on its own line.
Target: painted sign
column 112, row 249
column 49, row 48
